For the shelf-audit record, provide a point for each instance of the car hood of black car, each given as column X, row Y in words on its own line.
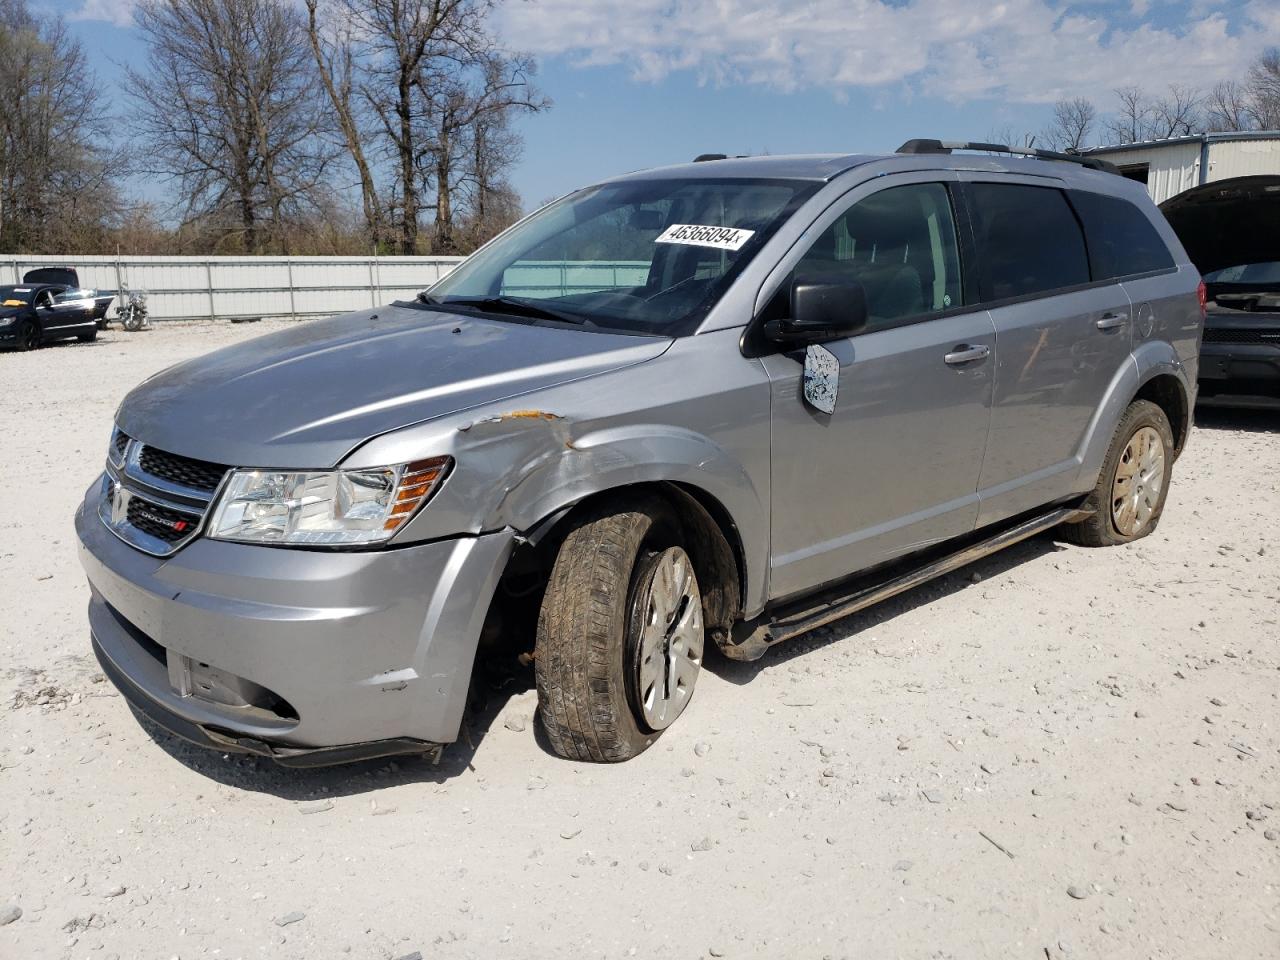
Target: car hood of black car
column 1229, row 222
column 306, row 396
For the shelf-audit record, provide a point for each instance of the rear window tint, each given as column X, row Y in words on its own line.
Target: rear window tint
column 1122, row 241
column 1029, row 240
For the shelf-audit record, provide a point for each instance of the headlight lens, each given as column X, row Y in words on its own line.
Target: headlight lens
column 330, row 507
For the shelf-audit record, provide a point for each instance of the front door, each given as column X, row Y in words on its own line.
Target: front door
column 895, row 468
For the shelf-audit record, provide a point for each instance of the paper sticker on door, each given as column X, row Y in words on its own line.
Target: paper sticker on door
column 691, row 234
column 821, row 378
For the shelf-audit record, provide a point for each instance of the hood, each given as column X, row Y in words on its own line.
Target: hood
column 1229, row 222
column 305, row 397
column 63, row 275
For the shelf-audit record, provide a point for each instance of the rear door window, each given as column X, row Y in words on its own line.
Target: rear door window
column 1122, row 241
column 1029, row 240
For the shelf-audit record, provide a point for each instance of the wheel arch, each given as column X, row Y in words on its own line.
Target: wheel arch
column 711, row 537
column 1152, row 372
column 1167, row 392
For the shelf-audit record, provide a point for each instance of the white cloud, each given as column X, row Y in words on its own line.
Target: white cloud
column 119, row 12
column 1026, row 51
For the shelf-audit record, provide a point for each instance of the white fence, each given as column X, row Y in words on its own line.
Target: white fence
column 188, row 288
column 184, row 288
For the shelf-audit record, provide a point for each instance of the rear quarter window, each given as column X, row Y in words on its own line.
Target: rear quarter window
column 1029, row 240
column 1122, row 241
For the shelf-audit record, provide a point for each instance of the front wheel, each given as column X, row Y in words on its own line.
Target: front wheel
column 1132, row 486
column 620, row 634
column 29, row 335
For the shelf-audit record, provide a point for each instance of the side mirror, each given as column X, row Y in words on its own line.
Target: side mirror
column 822, row 309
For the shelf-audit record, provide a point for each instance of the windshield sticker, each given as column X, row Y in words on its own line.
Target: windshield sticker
column 721, row 238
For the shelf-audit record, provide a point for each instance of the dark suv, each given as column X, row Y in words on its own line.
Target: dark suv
column 1231, row 230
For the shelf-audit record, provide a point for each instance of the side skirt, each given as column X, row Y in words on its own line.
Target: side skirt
column 752, row 639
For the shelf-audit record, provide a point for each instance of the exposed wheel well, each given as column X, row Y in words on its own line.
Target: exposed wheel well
column 1166, row 392
column 711, row 537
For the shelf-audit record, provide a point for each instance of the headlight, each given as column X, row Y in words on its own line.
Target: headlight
column 331, row 507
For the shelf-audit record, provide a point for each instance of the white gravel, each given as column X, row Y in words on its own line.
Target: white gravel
column 1075, row 756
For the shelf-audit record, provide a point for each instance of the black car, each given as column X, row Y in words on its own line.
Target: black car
column 32, row 314
column 1231, row 230
column 48, row 305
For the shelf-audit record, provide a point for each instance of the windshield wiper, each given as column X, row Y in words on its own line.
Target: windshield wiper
column 513, row 305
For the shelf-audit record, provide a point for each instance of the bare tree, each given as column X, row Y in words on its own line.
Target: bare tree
column 1007, row 134
column 1071, row 124
column 1177, row 114
column 1226, row 108
column 228, row 112
column 1263, row 83
column 472, row 145
column 1131, row 121
column 399, row 40
column 57, row 167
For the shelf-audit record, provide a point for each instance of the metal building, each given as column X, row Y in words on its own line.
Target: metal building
column 1170, row 166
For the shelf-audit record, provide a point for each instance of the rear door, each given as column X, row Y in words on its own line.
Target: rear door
column 1126, row 245
column 895, row 468
column 1061, row 339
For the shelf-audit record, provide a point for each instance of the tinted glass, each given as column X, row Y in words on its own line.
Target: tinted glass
column 1267, row 272
column 1122, row 241
column 1029, row 239
column 644, row 256
column 900, row 244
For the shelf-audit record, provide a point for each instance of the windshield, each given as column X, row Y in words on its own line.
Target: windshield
column 645, row 256
column 11, row 296
column 1246, row 273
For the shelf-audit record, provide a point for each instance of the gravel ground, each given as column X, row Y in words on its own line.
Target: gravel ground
column 1057, row 753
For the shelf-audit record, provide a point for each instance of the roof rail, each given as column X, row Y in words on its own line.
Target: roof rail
column 946, row 146
column 704, row 157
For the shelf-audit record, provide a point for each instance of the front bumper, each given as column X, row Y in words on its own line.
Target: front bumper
column 308, row 657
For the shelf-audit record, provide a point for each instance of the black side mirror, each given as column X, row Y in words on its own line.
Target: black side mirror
column 823, row 308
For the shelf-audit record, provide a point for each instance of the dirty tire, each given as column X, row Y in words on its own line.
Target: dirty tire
column 1100, row 528
column 582, row 655
column 88, row 337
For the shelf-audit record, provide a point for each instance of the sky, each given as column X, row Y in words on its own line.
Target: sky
column 641, row 83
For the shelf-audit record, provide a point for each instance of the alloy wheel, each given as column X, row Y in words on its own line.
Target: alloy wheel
column 1135, row 492
column 669, row 649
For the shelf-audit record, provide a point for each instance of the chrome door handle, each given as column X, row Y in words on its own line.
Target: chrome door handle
column 1110, row 321
column 967, row 354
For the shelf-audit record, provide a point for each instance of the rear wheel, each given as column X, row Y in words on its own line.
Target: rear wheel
column 620, row 634
column 28, row 336
column 88, row 336
column 1134, row 481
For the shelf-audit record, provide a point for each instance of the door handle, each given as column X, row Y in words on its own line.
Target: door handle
column 1109, row 321
column 967, row 354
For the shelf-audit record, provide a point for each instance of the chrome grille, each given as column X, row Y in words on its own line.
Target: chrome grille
column 155, row 500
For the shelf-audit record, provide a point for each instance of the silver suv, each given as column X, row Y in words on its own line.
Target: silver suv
column 719, row 403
